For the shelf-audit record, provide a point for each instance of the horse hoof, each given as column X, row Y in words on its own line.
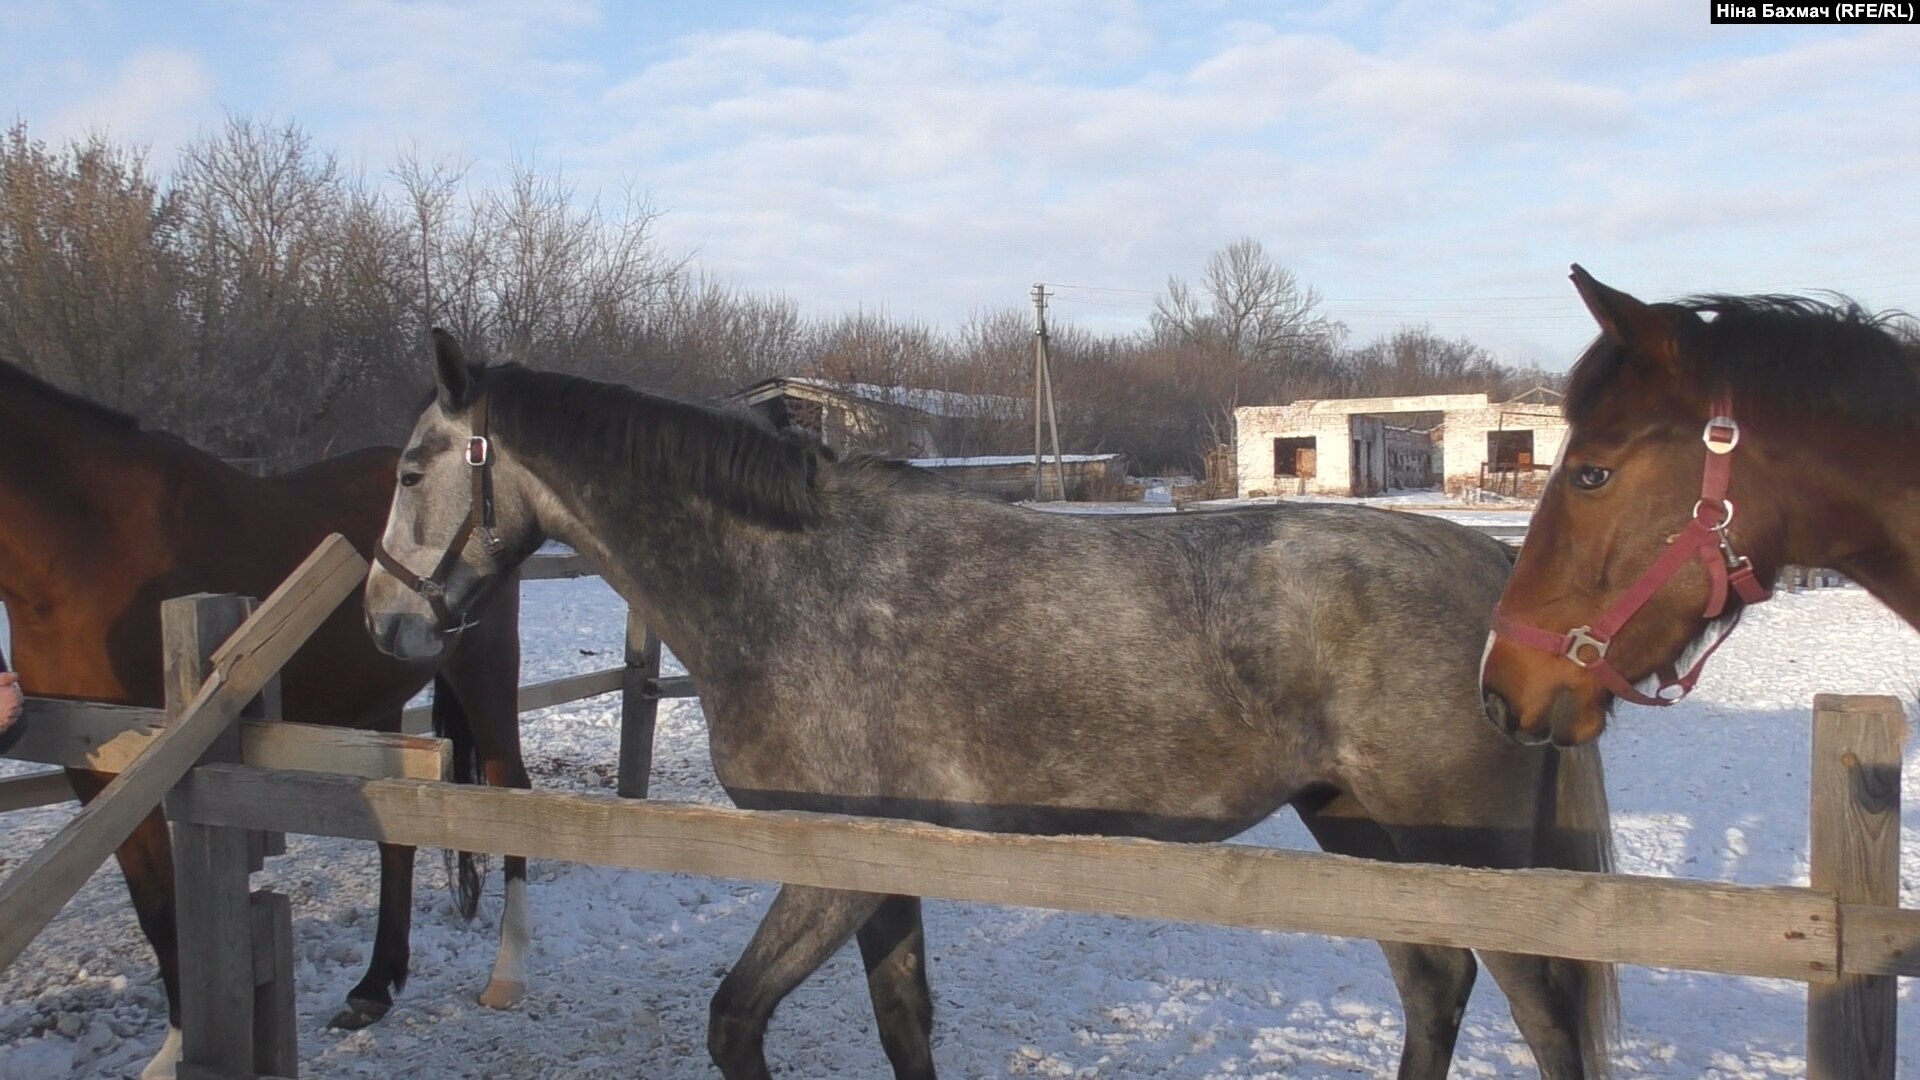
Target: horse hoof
column 164, row 1065
column 503, row 994
column 359, row 1013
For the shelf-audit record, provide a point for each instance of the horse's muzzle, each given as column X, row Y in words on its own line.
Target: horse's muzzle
column 404, row 636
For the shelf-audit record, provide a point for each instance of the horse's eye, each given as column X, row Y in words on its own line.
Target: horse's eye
column 410, row 479
column 1588, row 477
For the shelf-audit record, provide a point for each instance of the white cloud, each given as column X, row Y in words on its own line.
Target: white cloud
column 156, row 97
column 936, row 159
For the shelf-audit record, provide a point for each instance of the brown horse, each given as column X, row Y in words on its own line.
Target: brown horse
column 1711, row 442
column 100, row 521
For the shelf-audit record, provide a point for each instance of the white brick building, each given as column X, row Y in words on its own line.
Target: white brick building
column 1349, row 447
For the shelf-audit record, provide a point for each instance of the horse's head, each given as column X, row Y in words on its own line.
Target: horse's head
column 462, row 518
column 1629, row 558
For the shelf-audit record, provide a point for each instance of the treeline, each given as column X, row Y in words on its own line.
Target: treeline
column 267, row 302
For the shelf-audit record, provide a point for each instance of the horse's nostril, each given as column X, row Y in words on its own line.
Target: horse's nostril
column 1498, row 711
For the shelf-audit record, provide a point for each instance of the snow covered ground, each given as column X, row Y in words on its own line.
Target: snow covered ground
column 1715, row 788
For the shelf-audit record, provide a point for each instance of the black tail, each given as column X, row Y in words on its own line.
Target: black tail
column 466, row 872
column 1580, row 837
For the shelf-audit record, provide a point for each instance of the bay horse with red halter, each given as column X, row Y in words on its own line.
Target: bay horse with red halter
column 101, row 520
column 1710, row 443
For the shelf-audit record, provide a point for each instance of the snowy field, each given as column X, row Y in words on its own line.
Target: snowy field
column 625, row 962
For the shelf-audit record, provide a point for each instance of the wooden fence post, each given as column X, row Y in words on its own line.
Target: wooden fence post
column 639, row 708
column 236, row 964
column 1855, row 854
column 210, row 864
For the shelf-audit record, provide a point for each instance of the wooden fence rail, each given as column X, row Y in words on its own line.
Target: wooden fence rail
column 1707, row 926
column 1840, row 938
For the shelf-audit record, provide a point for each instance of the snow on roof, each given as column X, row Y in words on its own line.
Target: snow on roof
column 932, row 402
column 1003, row 459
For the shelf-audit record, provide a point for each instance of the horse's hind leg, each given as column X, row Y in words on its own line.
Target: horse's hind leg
column 387, row 972
column 1434, row 982
column 893, row 943
column 1546, row 1008
column 803, row 928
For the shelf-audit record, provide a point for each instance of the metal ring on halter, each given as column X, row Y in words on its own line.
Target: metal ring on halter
column 1726, row 505
column 479, row 451
column 1581, row 637
column 1721, row 423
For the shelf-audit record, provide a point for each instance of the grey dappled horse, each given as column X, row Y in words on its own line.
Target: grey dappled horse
column 869, row 640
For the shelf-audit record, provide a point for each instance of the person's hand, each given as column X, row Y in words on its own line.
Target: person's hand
column 11, row 700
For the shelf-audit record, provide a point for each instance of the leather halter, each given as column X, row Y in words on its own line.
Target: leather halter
column 1705, row 538
column 433, row 587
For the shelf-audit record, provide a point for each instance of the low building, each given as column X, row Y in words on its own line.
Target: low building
column 1088, row 476
column 1504, row 448
column 1349, row 446
column 895, row 421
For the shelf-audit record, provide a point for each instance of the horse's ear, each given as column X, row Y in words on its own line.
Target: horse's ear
column 450, row 368
column 1627, row 322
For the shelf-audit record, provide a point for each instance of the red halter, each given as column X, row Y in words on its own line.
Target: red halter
column 1705, row 537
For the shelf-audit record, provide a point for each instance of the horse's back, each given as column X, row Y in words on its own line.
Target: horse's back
column 1175, row 675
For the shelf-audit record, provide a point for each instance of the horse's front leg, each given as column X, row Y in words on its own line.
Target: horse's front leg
column 146, row 861
column 387, row 973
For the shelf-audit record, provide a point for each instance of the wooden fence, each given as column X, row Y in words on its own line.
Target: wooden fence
column 1844, row 935
column 110, row 737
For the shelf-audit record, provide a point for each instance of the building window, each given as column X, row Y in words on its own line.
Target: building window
column 1510, row 451
column 1294, row 457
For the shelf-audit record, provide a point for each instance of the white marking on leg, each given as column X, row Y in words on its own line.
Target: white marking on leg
column 163, row 1065
column 509, row 982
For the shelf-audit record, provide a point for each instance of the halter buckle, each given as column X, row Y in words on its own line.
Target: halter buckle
column 1721, row 435
column 479, row 451
column 1581, row 637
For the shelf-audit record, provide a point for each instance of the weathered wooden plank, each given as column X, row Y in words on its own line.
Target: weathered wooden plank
column 40, row 886
column 538, row 695
column 1878, row 940
column 552, row 567
column 1855, row 854
column 559, row 691
column 275, row 1025
column 210, row 863
column 672, row 686
column 34, row 789
column 189, row 1071
column 1705, row 926
column 86, row 734
column 639, row 710
column 108, row 738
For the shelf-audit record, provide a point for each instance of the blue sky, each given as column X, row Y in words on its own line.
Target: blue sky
column 1414, row 162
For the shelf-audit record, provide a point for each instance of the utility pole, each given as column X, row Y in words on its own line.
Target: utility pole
column 1043, row 398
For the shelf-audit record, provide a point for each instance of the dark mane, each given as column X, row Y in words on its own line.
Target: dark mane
column 17, row 380
column 731, row 458
column 1792, row 354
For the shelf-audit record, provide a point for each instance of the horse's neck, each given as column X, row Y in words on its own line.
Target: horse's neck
column 1854, row 507
column 686, row 571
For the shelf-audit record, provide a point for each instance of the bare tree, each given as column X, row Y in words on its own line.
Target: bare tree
column 1249, row 308
column 89, row 269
